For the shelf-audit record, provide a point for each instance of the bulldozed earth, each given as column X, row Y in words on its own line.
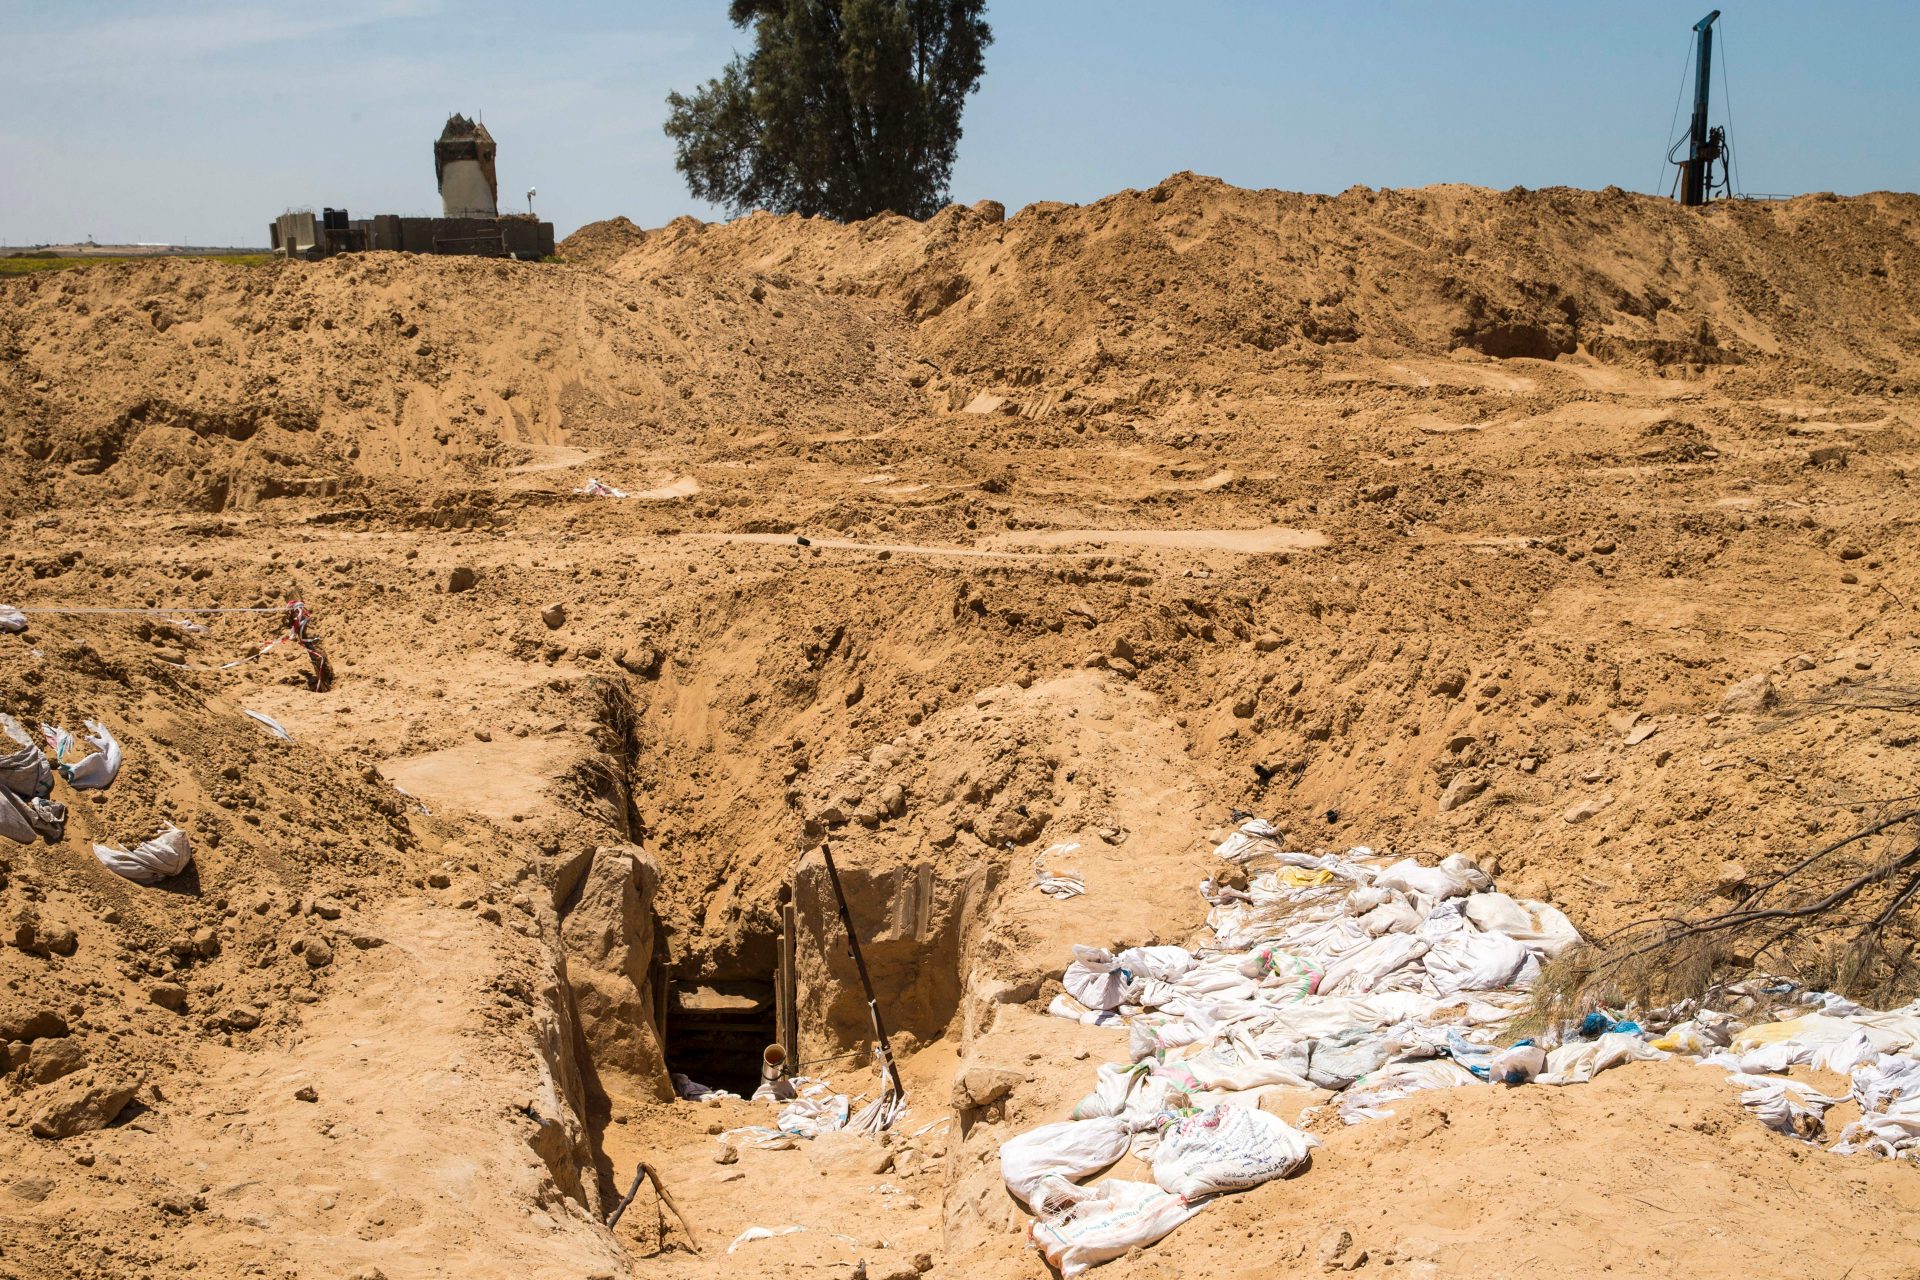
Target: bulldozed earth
column 1571, row 531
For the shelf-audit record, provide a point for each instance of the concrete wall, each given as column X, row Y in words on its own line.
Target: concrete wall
column 295, row 232
column 465, row 191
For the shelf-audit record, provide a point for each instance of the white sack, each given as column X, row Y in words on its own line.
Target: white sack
column 1255, row 837
column 1065, row 1006
column 1792, row 1107
column 1105, row 1221
column 1115, row 1084
column 25, row 772
column 1068, row 1149
column 11, row 619
column 1167, row 964
column 1396, row 1080
column 1582, row 1060
column 1456, row 876
column 1094, row 979
column 1372, row 966
column 1470, row 961
column 1542, row 927
column 1227, row 1149
column 167, row 854
column 95, row 771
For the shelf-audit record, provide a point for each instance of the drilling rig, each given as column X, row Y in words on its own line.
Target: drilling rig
column 1705, row 147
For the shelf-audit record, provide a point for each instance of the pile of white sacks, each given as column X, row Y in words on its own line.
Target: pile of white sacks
column 1367, row 979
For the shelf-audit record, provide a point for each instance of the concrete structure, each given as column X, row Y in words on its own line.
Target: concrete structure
column 471, row 223
column 463, row 163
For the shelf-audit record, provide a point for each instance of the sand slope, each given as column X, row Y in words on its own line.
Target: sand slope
column 1435, row 520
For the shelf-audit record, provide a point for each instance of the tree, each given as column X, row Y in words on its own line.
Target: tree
column 847, row 108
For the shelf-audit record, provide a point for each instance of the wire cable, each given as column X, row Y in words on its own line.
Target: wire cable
column 1678, row 98
column 1726, row 97
column 275, row 609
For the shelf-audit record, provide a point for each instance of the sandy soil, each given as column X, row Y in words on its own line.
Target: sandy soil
column 1115, row 518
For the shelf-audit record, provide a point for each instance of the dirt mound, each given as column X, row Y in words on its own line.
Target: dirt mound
column 1569, row 530
column 599, row 242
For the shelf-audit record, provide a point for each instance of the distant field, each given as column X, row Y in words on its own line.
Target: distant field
column 26, row 266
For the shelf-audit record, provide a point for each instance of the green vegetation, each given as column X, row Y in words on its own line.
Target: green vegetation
column 25, row 265
column 847, row 108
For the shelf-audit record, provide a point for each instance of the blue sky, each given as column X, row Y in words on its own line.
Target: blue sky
column 197, row 121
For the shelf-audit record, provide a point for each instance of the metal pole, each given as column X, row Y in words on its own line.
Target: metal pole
column 860, row 963
column 1694, row 187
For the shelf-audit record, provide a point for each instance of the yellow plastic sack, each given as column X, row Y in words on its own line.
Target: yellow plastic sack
column 1301, row 878
column 1685, row 1038
column 1766, row 1033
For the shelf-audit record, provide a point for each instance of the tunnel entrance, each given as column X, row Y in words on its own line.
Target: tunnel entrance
column 716, row 1032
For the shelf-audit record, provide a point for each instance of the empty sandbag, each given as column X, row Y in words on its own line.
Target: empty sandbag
column 151, row 861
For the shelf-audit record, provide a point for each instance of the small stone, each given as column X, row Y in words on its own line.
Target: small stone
column 205, row 943
column 1828, row 457
column 923, row 1262
column 726, row 1155
column 1586, row 809
column 1750, row 696
column 1528, row 764
column 1604, row 547
column 38, row 1025
column 242, row 1018
column 1243, row 706
column 1267, row 642
column 1450, row 684
column 327, row 908
column 1339, row 1253
column 49, row 1060
column 843, row 1152
column 306, row 1093
column 888, row 1265
column 1730, row 878
column 168, row 995
column 318, row 953
column 642, row 660
column 977, row 1086
column 555, row 616
column 1850, row 579
column 1851, row 552
column 461, row 579
column 1123, row 648
column 1380, row 493
column 83, row 1103
column 893, row 799
column 60, row 939
column 1464, row 787
column 729, row 1175
column 1801, row 662
column 439, row 879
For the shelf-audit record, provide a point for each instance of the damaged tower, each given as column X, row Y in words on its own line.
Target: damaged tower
column 463, row 162
column 470, row 222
